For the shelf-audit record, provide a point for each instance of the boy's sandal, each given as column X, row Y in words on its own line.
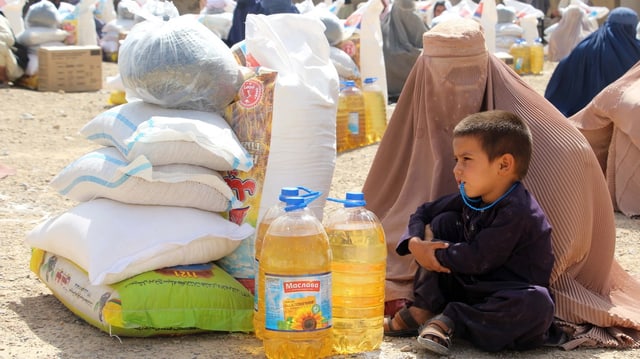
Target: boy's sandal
column 410, row 328
column 436, row 334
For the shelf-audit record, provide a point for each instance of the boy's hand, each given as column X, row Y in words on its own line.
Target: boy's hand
column 425, row 253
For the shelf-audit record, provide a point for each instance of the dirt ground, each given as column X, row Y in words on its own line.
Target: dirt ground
column 39, row 136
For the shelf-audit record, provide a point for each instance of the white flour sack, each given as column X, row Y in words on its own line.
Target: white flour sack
column 169, row 136
column 288, row 126
column 178, row 63
column 303, row 129
column 105, row 173
column 113, row 241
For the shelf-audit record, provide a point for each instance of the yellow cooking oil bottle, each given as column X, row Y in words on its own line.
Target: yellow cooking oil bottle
column 351, row 128
column 263, row 224
column 375, row 110
column 521, row 57
column 537, row 57
column 358, row 273
column 295, row 272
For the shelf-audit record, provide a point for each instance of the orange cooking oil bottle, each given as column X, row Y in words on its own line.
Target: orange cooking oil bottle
column 295, row 272
column 263, row 224
column 350, row 119
column 358, row 272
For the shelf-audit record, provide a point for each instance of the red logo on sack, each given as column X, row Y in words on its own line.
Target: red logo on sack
column 251, row 93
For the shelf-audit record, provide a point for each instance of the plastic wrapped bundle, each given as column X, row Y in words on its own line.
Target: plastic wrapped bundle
column 42, row 14
column 179, row 64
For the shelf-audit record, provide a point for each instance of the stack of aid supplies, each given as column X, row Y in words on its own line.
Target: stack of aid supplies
column 135, row 257
column 160, row 243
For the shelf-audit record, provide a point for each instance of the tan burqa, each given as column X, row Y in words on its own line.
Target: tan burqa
column 455, row 77
column 611, row 124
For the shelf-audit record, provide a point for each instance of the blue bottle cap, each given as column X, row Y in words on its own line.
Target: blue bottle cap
column 288, row 192
column 294, row 202
column 353, row 199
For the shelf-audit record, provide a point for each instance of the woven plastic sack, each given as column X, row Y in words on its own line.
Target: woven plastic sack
column 167, row 301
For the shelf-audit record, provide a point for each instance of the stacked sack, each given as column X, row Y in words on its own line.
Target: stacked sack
column 136, row 256
column 508, row 32
column 42, row 27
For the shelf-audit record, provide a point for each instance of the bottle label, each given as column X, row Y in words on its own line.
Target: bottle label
column 518, row 64
column 298, row 303
column 354, row 123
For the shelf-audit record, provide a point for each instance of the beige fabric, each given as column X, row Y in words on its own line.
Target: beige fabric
column 8, row 61
column 453, row 78
column 610, row 124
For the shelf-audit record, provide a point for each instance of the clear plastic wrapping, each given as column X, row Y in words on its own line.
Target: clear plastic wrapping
column 179, row 64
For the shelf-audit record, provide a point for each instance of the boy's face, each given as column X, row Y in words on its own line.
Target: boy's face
column 481, row 178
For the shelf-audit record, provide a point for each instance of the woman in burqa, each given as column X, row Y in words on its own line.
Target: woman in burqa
column 571, row 30
column 610, row 124
column 402, row 31
column 455, row 77
column 598, row 60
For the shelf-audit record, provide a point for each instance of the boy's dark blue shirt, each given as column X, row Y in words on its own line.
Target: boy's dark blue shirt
column 510, row 241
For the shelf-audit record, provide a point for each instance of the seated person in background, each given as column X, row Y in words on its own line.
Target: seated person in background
column 572, row 28
column 598, row 60
column 245, row 7
column 240, row 12
column 485, row 257
column 542, row 5
column 11, row 67
column 438, row 8
column 610, row 124
column 402, row 31
column 279, row 7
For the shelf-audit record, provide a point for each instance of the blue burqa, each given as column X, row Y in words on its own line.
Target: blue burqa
column 246, row 7
column 242, row 9
column 598, row 60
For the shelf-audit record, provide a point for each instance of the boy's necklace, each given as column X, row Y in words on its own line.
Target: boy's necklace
column 467, row 200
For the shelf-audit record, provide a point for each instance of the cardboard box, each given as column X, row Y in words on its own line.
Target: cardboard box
column 69, row 68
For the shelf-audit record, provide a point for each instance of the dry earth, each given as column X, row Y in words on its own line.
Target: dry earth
column 39, row 136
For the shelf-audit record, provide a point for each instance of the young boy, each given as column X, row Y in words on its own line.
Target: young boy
column 485, row 253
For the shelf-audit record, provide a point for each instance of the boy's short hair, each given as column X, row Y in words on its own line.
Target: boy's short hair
column 500, row 132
